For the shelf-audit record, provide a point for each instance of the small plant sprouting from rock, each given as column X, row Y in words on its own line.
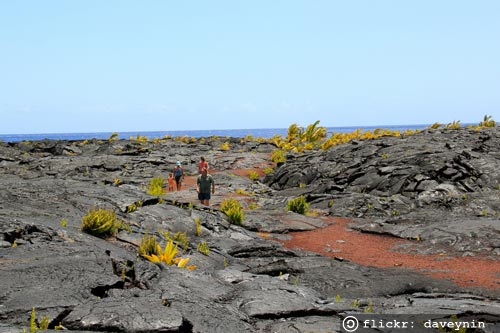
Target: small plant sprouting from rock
column 182, row 238
column 43, row 325
column 338, row 298
column 298, row 205
column 203, row 248
column 102, row 222
column 149, row 245
column 63, row 223
column 225, row 146
column 252, row 205
column 369, row 309
column 487, row 122
column 167, row 256
column 113, row 137
column 253, row 175
column 156, row 186
column 453, row 125
column 197, row 224
column 241, row 191
column 232, row 208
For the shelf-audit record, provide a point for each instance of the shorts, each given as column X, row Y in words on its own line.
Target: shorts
column 204, row 196
column 178, row 179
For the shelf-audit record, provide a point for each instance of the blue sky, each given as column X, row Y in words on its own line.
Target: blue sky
column 93, row 65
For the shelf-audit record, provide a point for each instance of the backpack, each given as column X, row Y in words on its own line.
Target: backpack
column 178, row 172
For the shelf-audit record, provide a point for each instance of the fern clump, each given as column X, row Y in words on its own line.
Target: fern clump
column 42, row 326
column 167, row 256
column 232, row 208
column 298, row 205
column 156, row 186
column 487, row 122
column 148, row 246
column 101, row 222
column 278, row 156
column 182, row 238
column 203, row 248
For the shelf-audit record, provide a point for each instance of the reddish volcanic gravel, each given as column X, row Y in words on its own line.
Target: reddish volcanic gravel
column 337, row 240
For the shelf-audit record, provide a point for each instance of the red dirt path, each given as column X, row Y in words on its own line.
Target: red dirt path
column 378, row 250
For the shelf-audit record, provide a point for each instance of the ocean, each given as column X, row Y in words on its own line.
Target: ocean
column 264, row 133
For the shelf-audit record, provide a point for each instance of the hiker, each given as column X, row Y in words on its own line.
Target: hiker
column 204, row 184
column 202, row 164
column 179, row 175
column 171, row 182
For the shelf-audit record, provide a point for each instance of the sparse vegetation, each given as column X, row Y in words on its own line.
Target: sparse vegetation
column 298, row 205
column 63, row 223
column 113, row 137
column 148, row 245
column 225, row 146
column 253, row 175
column 43, row 325
column 197, row 224
column 453, row 125
column 232, row 208
column 101, row 222
column 252, row 205
column 167, row 256
column 241, row 191
column 487, row 122
column 268, row 170
column 278, row 156
column 203, row 248
column 182, row 238
column 156, row 186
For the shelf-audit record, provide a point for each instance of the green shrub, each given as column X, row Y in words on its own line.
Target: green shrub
column 232, row 208
column 156, row 186
column 298, row 205
column 101, row 222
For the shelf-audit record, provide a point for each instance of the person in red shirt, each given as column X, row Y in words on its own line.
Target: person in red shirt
column 203, row 164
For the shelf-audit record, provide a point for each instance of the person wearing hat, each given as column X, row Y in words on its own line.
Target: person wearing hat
column 179, row 175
